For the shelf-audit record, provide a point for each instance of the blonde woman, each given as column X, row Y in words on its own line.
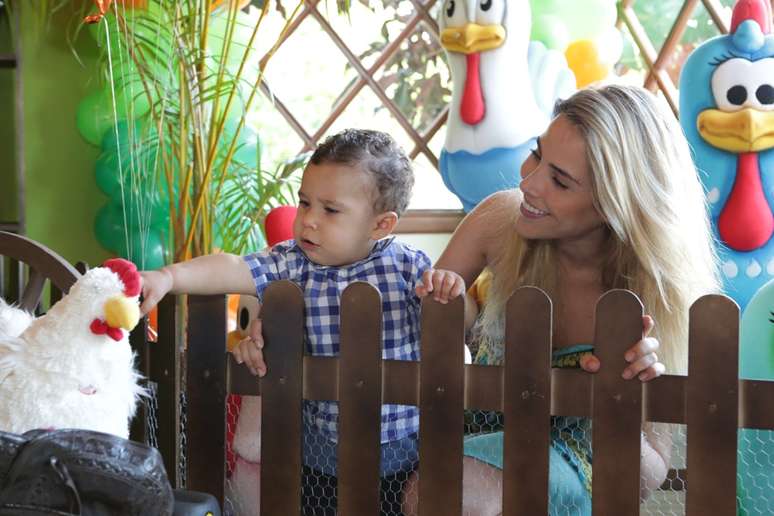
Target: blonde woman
column 609, row 199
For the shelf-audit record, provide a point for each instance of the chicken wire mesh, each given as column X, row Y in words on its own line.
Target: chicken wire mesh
column 669, row 499
column 152, row 414
column 755, row 472
column 319, row 493
column 319, row 490
column 243, row 466
column 569, row 463
column 570, row 442
column 755, row 489
column 182, row 465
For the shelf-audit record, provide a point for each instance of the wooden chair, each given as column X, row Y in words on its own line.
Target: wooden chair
column 25, row 268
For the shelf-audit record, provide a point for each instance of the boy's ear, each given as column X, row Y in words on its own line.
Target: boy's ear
column 385, row 224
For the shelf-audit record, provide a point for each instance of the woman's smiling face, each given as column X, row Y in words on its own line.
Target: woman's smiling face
column 556, row 182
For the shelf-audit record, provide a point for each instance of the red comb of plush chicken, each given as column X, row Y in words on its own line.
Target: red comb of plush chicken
column 127, row 271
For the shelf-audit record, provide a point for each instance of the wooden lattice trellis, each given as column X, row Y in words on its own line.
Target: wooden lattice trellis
column 657, row 78
column 365, row 77
column 656, row 61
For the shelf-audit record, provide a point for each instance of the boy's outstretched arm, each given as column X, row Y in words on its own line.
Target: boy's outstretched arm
column 209, row 274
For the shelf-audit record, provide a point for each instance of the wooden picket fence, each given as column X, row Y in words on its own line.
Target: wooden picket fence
column 711, row 400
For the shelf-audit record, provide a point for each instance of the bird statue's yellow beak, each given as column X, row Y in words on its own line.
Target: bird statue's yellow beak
column 746, row 130
column 121, row 312
column 472, row 38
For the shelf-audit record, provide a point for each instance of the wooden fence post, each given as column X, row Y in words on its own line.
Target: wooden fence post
column 360, row 400
column 527, row 402
column 281, row 388
column 165, row 371
column 206, row 386
column 138, row 339
column 712, row 398
column 617, row 407
column 441, row 418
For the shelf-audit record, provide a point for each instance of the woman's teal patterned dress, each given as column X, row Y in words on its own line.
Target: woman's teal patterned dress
column 570, row 450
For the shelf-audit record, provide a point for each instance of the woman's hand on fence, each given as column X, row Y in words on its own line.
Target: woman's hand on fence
column 155, row 285
column 642, row 357
column 444, row 285
column 250, row 350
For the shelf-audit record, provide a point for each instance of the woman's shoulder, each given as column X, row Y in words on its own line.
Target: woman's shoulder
column 499, row 207
column 497, row 212
column 504, row 199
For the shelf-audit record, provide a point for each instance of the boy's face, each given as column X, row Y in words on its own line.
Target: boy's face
column 336, row 223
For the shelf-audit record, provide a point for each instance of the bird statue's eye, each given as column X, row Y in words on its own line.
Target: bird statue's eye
column 765, row 94
column 450, row 8
column 244, row 318
column 486, row 5
column 737, row 95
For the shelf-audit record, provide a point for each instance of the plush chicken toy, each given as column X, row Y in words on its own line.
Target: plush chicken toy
column 73, row 367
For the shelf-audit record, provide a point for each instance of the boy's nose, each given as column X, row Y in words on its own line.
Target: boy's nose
column 310, row 221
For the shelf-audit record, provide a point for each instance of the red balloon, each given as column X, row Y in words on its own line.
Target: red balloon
column 279, row 224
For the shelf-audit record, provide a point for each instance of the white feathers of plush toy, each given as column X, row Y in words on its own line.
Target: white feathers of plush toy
column 13, row 321
column 73, row 367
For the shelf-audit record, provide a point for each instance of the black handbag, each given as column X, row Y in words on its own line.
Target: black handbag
column 81, row 472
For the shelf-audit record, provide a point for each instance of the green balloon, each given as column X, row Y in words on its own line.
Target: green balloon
column 588, row 18
column 142, row 209
column 140, row 169
column 546, row 6
column 131, row 103
column 146, row 249
column 108, row 229
column 551, row 31
column 148, row 29
column 106, row 172
column 143, row 81
column 130, row 135
column 94, row 117
column 141, row 63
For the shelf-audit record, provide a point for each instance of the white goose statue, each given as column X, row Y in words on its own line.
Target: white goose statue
column 504, row 89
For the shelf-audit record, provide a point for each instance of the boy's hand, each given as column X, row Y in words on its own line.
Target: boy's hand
column 155, row 285
column 445, row 285
column 250, row 350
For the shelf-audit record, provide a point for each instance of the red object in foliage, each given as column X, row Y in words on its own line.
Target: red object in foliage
column 279, row 224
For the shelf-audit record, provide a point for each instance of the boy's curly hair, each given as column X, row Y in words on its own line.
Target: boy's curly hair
column 378, row 155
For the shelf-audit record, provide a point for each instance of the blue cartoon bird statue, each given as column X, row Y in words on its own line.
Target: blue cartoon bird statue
column 755, row 472
column 504, row 89
column 727, row 113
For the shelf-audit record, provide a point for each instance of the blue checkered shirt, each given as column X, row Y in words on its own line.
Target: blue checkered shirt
column 394, row 269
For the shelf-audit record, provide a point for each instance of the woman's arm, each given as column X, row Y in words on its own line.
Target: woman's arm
column 480, row 236
column 475, row 243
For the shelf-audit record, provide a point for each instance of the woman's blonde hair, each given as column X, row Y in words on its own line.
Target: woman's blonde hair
column 647, row 189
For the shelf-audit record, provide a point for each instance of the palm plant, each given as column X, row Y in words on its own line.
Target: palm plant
column 183, row 82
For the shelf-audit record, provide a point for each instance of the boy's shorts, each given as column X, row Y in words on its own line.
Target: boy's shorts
column 319, row 453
